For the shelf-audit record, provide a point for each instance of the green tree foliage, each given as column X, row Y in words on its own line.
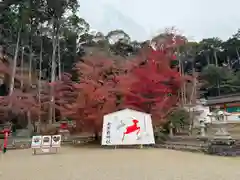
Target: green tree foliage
column 179, row 118
column 220, row 80
column 43, row 20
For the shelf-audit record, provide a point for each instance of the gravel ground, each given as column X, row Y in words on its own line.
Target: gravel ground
column 119, row 164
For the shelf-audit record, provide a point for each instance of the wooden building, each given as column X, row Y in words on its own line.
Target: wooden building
column 228, row 103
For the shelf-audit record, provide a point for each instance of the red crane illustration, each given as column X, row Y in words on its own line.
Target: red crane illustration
column 132, row 128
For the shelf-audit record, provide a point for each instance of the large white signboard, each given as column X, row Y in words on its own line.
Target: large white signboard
column 127, row 127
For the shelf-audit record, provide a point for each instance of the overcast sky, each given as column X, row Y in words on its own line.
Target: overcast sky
column 142, row 19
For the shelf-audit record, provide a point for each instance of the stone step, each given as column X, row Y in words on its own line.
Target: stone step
column 188, row 138
column 183, row 147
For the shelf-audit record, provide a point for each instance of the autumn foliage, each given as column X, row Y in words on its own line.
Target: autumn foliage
column 17, row 102
column 147, row 83
column 154, row 86
column 96, row 93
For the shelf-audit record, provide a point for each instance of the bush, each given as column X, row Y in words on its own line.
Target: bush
column 160, row 134
column 179, row 118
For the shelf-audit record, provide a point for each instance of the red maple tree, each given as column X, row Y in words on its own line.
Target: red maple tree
column 96, row 94
column 151, row 84
column 65, row 93
column 17, row 102
column 148, row 84
column 154, row 87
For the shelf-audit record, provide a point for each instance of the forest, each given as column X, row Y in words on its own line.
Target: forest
column 53, row 66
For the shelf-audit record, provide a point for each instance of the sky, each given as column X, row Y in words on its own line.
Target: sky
column 142, row 19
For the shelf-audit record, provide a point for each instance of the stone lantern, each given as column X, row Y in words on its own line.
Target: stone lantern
column 219, row 119
column 202, row 127
column 222, row 144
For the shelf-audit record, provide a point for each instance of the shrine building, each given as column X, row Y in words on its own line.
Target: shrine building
column 228, row 103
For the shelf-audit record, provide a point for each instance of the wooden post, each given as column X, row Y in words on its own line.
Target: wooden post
column 34, row 151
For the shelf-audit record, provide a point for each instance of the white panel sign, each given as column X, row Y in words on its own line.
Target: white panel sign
column 127, row 127
column 46, row 141
column 56, row 141
column 36, row 142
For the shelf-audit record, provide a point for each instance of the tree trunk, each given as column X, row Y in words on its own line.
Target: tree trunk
column 208, row 59
column 53, row 71
column 30, row 87
column 96, row 135
column 59, row 61
column 29, row 120
column 39, row 88
column 14, row 64
column 215, row 57
column 1, row 52
column 171, row 129
column 21, row 68
column 238, row 54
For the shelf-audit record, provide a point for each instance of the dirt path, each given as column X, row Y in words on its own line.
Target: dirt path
column 120, row 164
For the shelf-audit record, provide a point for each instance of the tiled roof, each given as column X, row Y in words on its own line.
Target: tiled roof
column 223, row 99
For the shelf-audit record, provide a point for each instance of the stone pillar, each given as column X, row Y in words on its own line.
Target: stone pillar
column 202, row 128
